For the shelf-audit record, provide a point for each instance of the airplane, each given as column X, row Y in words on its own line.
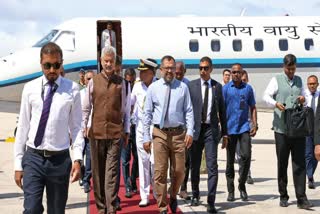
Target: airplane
column 258, row 43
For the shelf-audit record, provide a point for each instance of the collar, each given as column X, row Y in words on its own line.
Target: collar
column 164, row 82
column 289, row 80
column 242, row 84
column 309, row 93
column 57, row 82
column 209, row 82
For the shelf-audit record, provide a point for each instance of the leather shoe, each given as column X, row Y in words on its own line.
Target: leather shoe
column 117, row 206
column 195, row 201
column 173, row 205
column 311, row 184
column 128, row 193
column 231, row 196
column 305, row 204
column 184, row 195
column 250, row 180
column 86, row 188
column 164, row 212
column 243, row 195
column 211, row 209
column 283, row 203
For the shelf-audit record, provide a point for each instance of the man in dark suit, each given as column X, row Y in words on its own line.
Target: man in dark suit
column 210, row 125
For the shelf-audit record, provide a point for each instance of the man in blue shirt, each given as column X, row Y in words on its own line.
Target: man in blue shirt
column 239, row 100
column 168, row 106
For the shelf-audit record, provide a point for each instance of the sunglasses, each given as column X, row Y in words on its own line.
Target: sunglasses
column 55, row 65
column 206, row 68
column 236, row 72
column 88, row 78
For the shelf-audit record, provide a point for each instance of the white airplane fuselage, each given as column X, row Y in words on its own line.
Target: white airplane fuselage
column 252, row 41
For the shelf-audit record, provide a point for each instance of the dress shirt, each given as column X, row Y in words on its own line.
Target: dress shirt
column 82, row 95
column 238, row 102
column 180, row 112
column 125, row 108
column 271, row 90
column 308, row 96
column 63, row 118
column 105, row 38
column 203, row 89
column 138, row 98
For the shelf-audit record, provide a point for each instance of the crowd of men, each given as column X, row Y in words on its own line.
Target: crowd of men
column 166, row 124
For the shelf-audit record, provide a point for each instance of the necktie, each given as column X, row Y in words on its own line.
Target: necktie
column 165, row 106
column 205, row 103
column 44, row 115
column 313, row 103
column 110, row 37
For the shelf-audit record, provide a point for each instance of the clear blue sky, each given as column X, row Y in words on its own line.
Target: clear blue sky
column 24, row 22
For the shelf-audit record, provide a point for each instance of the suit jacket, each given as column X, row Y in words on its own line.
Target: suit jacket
column 218, row 120
column 316, row 139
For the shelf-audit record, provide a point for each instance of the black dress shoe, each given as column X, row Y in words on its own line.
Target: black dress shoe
column 195, row 201
column 305, row 204
column 128, row 193
column 250, row 180
column 117, row 206
column 243, row 195
column 211, row 209
column 86, row 188
column 164, row 212
column 231, row 196
column 311, row 184
column 283, row 203
column 173, row 205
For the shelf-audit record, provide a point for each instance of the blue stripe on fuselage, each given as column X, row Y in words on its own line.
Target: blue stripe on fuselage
column 190, row 63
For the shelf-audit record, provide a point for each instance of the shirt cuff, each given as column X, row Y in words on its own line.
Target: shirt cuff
column 190, row 132
column 77, row 154
column 18, row 165
column 146, row 139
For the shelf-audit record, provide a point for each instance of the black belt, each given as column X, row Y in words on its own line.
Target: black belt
column 169, row 129
column 46, row 153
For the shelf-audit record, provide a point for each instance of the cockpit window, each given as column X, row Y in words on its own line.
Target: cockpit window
column 46, row 39
column 66, row 40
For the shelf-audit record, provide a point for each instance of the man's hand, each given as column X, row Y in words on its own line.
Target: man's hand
column 147, row 147
column 85, row 132
column 188, row 141
column 18, row 175
column 75, row 172
column 225, row 140
column 253, row 131
column 125, row 140
column 280, row 106
column 301, row 99
column 317, row 152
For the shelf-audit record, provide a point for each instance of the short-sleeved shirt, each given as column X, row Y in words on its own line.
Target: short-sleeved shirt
column 238, row 102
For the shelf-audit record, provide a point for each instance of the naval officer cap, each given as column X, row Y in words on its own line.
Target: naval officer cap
column 146, row 64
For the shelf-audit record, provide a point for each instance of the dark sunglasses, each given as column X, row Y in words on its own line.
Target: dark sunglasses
column 236, row 72
column 55, row 65
column 206, row 68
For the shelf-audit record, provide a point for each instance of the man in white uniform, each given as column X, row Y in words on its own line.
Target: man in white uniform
column 147, row 70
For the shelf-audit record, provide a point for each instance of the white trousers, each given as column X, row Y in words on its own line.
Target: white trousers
column 146, row 163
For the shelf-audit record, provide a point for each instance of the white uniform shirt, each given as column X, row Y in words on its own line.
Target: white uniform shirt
column 203, row 90
column 308, row 96
column 65, row 116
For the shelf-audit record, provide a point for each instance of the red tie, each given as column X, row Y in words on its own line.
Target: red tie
column 110, row 37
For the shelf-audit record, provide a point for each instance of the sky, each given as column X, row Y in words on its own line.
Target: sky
column 24, row 22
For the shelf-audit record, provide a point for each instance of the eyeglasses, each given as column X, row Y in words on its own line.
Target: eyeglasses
column 48, row 65
column 169, row 68
column 236, row 72
column 88, row 78
column 205, row 68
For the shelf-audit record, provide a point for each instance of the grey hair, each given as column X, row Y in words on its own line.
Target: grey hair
column 108, row 50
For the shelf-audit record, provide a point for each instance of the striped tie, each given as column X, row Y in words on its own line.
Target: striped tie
column 44, row 115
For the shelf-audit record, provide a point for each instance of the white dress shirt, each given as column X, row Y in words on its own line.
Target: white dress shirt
column 65, row 116
column 105, row 38
column 203, row 89
column 271, row 90
column 308, row 96
column 82, row 95
column 125, row 108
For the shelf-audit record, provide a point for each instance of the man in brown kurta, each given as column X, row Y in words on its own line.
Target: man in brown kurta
column 110, row 101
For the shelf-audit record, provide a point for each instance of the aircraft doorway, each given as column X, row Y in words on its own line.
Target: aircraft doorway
column 108, row 33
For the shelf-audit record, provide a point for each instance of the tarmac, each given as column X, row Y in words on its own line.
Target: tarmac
column 263, row 194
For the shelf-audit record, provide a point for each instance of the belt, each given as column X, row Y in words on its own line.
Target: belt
column 46, row 153
column 169, row 129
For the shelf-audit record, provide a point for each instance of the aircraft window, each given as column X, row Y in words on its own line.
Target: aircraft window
column 283, row 44
column 194, row 45
column 215, row 45
column 237, row 45
column 66, row 40
column 45, row 40
column 258, row 44
column 308, row 44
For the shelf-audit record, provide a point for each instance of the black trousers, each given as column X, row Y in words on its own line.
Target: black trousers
column 244, row 162
column 209, row 141
column 41, row 172
column 285, row 145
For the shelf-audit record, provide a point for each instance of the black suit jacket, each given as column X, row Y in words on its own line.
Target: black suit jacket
column 218, row 120
column 316, row 139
